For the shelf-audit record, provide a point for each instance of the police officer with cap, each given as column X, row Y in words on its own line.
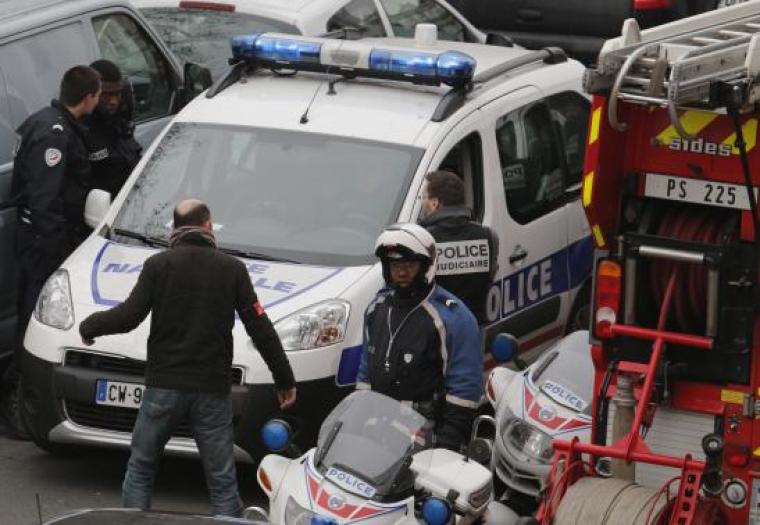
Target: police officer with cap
column 467, row 251
column 421, row 343
column 51, row 179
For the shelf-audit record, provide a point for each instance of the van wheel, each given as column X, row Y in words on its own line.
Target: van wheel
column 26, row 413
column 580, row 314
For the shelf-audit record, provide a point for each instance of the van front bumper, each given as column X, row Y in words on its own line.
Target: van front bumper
column 60, row 403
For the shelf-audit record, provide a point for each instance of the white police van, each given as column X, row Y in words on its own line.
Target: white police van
column 304, row 152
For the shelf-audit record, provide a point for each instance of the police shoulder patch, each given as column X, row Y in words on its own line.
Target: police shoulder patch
column 53, row 156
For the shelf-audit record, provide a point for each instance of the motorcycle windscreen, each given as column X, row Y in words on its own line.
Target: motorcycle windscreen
column 366, row 443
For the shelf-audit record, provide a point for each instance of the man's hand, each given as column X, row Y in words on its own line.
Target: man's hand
column 287, row 398
column 88, row 342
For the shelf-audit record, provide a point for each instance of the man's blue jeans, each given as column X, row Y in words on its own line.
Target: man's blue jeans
column 211, row 417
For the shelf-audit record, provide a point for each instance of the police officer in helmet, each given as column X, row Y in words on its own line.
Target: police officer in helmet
column 51, row 179
column 421, row 343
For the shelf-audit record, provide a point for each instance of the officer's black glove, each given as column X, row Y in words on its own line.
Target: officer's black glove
column 454, row 427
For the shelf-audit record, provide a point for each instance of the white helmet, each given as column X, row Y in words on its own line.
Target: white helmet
column 409, row 241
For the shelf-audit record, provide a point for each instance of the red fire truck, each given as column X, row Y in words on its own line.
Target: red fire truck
column 670, row 190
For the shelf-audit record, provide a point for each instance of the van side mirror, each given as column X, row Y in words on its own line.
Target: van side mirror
column 96, row 206
column 505, row 348
column 197, row 80
column 499, row 39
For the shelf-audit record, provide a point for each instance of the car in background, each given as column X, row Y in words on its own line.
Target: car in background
column 580, row 27
column 200, row 31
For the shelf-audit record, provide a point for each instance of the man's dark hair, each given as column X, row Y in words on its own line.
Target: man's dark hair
column 109, row 72
column 445, row 186
column 197, row 215
column 77, row 83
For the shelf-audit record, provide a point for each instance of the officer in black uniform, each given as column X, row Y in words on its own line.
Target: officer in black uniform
column 113, row 150
column 467, row 251
column 51, row 179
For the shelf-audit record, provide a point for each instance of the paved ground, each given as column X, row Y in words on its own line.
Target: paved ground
column 93, row 478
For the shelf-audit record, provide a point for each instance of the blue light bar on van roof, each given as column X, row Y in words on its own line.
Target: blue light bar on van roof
column 354, row 59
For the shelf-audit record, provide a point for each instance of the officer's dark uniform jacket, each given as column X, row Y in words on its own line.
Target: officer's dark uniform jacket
column 467, row 256
column 51, row 178
column 113, row 151
column 424, row 349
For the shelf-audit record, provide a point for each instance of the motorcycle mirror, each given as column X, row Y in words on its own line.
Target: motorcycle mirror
column 276, row 435
column 504, row 347
column 480, row 450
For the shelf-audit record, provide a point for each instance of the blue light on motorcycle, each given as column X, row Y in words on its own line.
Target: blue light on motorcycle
column 322, row 520
column 436, row 511
column 504, row 348
column 276, row 435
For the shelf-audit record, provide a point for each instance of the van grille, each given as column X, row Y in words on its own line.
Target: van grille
column 119, row 419
column 121, row 365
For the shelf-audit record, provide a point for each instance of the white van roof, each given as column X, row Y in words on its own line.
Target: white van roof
column 368, row 109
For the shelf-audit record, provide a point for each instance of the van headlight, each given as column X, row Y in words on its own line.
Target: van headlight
column 529, row 440
column 54, row 307
column 320, row 324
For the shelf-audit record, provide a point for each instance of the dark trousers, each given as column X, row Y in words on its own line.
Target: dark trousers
column 37, row 259
column 211, row 418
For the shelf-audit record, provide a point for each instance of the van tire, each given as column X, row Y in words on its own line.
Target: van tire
column 27, row 417
column 580, row 313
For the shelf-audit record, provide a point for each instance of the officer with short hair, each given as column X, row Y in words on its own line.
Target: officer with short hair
column 113, row 150
column 51, row 179
column 421, row 344
column 467, row 251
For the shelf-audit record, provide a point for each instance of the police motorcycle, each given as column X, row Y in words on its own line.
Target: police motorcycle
column 533, row 405
column 122, row 516
column 374, row 465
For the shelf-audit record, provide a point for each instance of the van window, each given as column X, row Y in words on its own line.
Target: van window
column 466, row 160
column 123, row 42
column 570, row 110
column 404, row 15
column 531, row 165
column 359, row 14
column 35, row 65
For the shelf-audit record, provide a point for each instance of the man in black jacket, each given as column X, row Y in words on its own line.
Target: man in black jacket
column 113, row 150
column 467, row 251
column 192, row 291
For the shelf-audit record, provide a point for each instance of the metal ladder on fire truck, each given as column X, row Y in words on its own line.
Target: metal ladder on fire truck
column 707, row 62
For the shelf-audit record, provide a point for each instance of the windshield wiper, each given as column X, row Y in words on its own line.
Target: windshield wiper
column 145, row 239
column 237, row 252
column 322, row 452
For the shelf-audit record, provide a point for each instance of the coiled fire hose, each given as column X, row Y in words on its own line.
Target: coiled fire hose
column 689, row 224
column 600, row 501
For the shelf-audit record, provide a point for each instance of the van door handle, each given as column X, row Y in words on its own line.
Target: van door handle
column 529, row 16
column 518, row 255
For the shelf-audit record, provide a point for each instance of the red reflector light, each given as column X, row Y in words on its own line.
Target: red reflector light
column 736, row 455
column 264, row 480
column 648, row 5
column 607, row 298
column 213, row 6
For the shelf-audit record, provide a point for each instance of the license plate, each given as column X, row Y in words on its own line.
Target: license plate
column 712, row 193
column 118, row 394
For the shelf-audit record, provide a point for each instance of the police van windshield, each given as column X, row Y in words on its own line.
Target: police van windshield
column 302, row 197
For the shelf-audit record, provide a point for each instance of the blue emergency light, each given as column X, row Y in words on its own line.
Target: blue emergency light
column 423, row 67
